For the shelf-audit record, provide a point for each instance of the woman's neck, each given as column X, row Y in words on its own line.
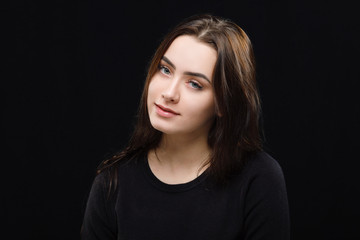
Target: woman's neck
column 179, row 159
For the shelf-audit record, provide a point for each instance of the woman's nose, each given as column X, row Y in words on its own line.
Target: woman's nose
column 171, row 93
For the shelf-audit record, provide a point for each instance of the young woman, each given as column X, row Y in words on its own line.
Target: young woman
column 194, row 168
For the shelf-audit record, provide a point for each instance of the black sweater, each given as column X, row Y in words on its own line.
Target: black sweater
column 252, row 206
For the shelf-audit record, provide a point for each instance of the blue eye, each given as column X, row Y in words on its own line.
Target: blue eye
column 164, row 70
column 195, row 85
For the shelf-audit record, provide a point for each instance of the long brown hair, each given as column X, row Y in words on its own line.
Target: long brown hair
column 235, row 132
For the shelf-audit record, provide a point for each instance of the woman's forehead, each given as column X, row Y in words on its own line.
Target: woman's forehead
column 187, row 53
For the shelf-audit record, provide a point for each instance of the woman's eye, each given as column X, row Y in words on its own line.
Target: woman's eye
column 195, row 85
column 164, row 70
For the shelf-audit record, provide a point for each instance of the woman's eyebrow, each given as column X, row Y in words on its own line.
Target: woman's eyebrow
column 165, row 59
column 197, row 75
column 168, row 62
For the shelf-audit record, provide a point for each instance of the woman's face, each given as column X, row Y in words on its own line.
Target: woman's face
column 180, row 95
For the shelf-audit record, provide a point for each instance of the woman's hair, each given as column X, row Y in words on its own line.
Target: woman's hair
column 235, row 131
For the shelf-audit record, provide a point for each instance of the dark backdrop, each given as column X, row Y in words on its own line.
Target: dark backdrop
column 75, row 71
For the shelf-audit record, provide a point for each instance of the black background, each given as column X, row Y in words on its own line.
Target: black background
column 73, row 76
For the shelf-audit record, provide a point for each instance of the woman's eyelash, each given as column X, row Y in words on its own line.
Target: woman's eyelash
column 195, row 85
column 163, row 69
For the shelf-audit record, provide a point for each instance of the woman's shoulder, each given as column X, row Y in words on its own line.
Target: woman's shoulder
column 116, row 172
column 262, row 189
column 263, row 167
column 263, row 162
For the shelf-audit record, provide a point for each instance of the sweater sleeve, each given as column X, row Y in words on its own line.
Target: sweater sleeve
column 266, row 208
column 99, row 219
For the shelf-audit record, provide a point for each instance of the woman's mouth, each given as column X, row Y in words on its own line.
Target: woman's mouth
column 165, row 112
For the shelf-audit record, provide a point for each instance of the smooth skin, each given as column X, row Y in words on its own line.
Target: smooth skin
column 181, row 105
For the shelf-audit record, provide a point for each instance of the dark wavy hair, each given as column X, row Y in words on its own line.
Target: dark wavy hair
column 235, row 132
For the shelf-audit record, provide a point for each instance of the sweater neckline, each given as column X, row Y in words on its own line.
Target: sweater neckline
column 181, row 187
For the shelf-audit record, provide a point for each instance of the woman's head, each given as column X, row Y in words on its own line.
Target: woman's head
column 236, row 97
column 234, row 130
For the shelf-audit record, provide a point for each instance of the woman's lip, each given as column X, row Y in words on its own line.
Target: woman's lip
column 164, row 111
